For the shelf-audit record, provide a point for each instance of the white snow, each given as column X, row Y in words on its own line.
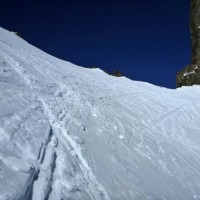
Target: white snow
column 196, row 67
column 188, row 73
column 68, row 132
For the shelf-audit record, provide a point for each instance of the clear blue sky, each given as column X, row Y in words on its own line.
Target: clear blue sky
column 147, row 40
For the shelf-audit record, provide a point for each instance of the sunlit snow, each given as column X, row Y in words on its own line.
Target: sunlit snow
column 68, row 132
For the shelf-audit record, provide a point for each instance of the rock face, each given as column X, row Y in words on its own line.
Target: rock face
column 190, row 75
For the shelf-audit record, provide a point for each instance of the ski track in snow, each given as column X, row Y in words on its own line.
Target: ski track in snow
column 40, row 181
column 38, row 185
column 95, row 189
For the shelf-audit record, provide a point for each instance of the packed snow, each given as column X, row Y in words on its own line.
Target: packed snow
column 68, row 132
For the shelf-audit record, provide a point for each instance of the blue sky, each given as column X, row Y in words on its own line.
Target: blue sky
column 147, row 40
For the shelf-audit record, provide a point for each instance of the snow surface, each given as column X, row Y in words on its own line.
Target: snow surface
column 68, row 132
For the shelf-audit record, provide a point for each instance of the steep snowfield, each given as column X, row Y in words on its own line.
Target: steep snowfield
column 67, row 132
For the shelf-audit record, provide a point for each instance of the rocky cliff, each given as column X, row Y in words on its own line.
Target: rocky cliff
column 190, row 75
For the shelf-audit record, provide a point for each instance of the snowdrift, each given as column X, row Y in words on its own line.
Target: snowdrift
column 68, row 132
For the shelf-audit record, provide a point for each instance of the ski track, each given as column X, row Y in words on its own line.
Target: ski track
column 18, row 68
column 95, row 189
column 41, row 174
column 168, row 114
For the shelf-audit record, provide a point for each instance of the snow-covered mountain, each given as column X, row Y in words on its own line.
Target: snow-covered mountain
column 68, row 132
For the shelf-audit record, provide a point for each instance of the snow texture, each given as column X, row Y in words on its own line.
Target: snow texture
column 68, row 132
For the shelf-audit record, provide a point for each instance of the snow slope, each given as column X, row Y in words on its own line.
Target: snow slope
column 67, row 132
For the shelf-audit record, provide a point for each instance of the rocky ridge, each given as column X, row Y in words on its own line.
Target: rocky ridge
column 190, row 75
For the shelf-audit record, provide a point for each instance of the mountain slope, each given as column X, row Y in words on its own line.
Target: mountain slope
column 67, row 132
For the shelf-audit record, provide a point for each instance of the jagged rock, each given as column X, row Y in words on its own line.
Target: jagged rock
column 117, row 73
column 191, row 74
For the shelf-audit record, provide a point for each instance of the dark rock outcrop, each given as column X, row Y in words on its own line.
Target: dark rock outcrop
column 190, row 75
